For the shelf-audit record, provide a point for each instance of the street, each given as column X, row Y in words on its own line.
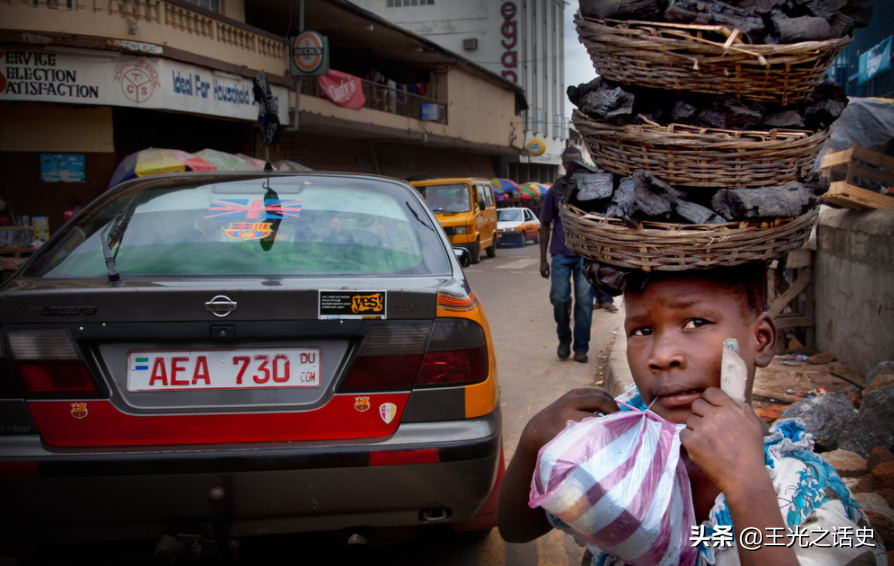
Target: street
column 516, row 301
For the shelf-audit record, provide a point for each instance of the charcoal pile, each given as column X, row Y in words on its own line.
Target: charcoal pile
column 619, row 105
column 761, row 22
column 644, row 197
column 704, row 128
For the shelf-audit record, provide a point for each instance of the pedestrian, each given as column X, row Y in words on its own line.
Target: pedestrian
column 745, row 477
column 567, row 279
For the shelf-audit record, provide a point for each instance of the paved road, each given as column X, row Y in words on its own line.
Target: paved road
column 516, row 302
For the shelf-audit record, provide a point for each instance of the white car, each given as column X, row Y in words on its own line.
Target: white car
column 517, row 226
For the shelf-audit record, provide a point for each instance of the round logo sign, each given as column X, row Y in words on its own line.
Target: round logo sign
column 308, row 51
column 535, row 147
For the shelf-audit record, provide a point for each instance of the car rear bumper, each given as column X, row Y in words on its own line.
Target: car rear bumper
column 425, row 472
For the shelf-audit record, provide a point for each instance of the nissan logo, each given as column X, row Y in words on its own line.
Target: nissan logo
column 221, row 306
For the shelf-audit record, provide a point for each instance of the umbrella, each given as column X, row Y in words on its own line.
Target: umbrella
column 223, row 161
column 505, row 186
column 154, row 161
column 531, row 189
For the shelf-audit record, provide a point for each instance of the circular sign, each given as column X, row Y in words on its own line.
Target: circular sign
column 308, row 51
column 535, row 147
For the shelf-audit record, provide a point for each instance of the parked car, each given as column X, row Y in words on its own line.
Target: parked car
column 517, row 226
column 246, row 354
column 466, row 209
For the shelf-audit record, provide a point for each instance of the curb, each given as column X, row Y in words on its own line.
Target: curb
column 618, row 375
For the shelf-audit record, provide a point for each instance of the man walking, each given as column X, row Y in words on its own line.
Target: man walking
column 565, row 267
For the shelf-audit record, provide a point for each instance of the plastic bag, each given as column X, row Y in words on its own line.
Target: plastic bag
column 619, row 483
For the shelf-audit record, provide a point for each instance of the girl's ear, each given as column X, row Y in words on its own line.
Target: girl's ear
column 765, row 339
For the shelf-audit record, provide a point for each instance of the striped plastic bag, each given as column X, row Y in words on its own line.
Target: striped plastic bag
column 619, row 483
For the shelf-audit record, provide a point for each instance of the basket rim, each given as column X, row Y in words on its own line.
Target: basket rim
column 723, row 48
column 661, row 246
column 682, row 131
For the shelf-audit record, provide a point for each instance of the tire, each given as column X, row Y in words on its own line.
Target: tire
column 492, row 249
column 537, row 238
column 475, row 250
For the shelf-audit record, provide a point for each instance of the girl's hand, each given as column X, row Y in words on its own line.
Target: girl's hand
column 574, row 405
column 726, row 442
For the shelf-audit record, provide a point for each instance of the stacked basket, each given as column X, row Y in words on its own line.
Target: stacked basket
column 707, row 60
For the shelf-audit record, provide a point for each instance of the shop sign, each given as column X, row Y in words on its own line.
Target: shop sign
column 310, row 53
column 62, row 168
column 140, row 82
column 875, row 61
column 535, row 147
column 343, row 89
column 509, row 31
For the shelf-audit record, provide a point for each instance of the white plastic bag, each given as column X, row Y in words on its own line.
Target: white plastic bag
column 619, row 483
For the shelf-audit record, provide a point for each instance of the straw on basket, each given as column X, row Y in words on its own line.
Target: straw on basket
column 679, row 57
column 678, row 247
column 701, row 157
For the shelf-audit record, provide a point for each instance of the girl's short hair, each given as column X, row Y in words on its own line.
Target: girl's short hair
column 750, row 278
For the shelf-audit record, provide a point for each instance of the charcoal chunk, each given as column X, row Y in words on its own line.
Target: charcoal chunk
column 653, row 198
column 621, row 9
column 623, row 204
column 804, row 28
column 785, row 119
column 791, row 199
column 696, row 213
column 609, row 103
column 824, row 105
column 593, row 187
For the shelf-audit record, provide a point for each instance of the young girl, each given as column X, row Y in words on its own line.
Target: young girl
column 747, row 480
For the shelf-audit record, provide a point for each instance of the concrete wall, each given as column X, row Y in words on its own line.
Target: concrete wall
column 854, row 286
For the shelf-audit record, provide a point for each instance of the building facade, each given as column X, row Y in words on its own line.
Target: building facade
column 523, row 41
column 865, row 68
column 85, row 83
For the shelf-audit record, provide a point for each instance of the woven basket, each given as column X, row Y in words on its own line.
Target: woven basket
column 678, row 247
column 700, row 157
column 678, row 57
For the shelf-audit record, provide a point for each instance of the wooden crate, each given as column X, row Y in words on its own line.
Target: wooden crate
column 845, row 167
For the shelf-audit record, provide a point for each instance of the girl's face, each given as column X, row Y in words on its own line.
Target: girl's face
column 675, row 334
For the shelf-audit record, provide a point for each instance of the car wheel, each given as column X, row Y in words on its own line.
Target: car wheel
column 492, row 248
column 537, row 238
column 475, row 249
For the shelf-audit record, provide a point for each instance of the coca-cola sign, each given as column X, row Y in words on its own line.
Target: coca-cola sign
column 509, row 31
column 343, row 89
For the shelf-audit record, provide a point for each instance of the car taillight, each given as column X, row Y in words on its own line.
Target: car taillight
column 8, row 387
column 456, row 355
column 389, row 358
column 47, row 364
column 451, row 352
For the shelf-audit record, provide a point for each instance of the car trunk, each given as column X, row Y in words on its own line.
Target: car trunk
column 179, row 364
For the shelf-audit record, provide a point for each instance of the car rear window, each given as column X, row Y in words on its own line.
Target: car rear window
column 509, row 215
column 305, row 225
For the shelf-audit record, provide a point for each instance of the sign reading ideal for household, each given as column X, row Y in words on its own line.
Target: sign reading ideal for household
column 875, row 61
column 310, row 53
column 142, row 82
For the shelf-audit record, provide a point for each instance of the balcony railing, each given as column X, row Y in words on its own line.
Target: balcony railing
column 165, row 22
column 385, row 99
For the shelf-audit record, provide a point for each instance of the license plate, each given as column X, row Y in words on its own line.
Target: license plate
column 223, row 369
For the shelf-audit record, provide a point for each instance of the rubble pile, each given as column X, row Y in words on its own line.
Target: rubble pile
column 764, row 22
column 617, row 104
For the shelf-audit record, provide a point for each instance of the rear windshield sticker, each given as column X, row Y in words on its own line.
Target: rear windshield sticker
column 251, row 209
column 249, row 230
column 336, row 305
